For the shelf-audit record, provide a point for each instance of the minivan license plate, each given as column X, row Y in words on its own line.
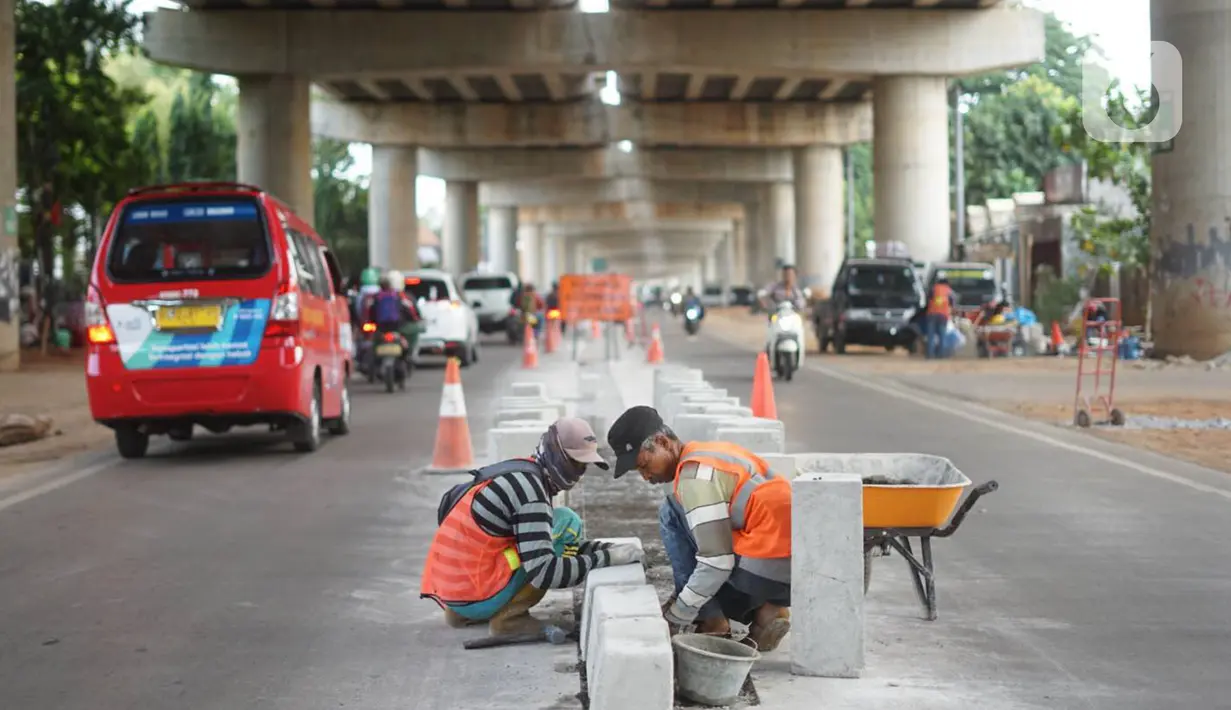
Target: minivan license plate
column 188, row 317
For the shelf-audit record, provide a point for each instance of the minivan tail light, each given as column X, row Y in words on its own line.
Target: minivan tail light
column 284, row 314
column 98, row 330
column 455, row 304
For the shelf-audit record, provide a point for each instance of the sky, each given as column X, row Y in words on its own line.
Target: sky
column 1121, row 29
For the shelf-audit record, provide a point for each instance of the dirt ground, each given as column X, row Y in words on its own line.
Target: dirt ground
column 1043, row 388
column 54, row 385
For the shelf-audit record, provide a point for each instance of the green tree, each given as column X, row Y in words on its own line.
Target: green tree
column 201, row 143
column 341, row 204
column 147, row 142
column 72, row 127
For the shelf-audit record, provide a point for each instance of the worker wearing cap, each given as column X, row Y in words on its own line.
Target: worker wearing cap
column 725, row 524
column 501, row 545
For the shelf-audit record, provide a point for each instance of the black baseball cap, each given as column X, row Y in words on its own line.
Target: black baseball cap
column 626, row 435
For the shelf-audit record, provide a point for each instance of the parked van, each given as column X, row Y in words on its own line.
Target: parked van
column 213, row 304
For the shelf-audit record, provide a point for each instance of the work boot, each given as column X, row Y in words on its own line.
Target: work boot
column 769, row 627
column 457, row 621
column 515, row 617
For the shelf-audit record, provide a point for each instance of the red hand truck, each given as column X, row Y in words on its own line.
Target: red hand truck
column 1098, row 341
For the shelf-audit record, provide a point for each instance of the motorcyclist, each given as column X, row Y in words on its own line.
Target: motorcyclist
column 531, row 303
column 553, row 302
column 691, row 300
column 785, row 290
column 392, row 311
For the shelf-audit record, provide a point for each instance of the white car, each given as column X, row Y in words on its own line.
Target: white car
column 451, row 328
column 489, row 294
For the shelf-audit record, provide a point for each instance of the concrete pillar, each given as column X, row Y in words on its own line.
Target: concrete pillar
column 10, row 307
column 910, row 165
column 548, row 259
column 827, row 609
column 759, row 259
column 274, row 147
column 709, row 267
column 460, row 242
column 1190, row 231
column 560, row 260
column 502, row 238
column 529, row 248
column 393, row 217
column 739, row 251
column 819, row 216
column 781, row 208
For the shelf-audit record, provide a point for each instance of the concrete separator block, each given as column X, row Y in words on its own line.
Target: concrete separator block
column 668, row 374
column 673, row 400
column 753, row 439
column 558, row 407
column 616, row 602
column 695, row 427
column 827, row 614
column 512, row 442
column 528, row 389
column 589, row 386
column 622, row 575
column 747, row 423
column 661, row 395
column 634, row 666
column 784, row 465
column 524, row 414
column 703, row 407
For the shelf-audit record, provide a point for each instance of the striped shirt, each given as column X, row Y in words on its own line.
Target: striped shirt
column 517, row 505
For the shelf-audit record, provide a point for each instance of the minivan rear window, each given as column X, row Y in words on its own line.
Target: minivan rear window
column 880, row 278
column 427, row 289
column 487, row 283
column 197, row 239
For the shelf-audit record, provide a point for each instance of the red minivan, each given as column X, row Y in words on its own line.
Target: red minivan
column 213, row 304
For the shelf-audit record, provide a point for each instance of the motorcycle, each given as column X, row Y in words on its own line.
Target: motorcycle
column 364, row 355
column 692, row 320
column 784, row 342
column 517, row 325
column 391, row 351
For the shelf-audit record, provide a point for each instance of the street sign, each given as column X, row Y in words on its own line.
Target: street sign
column 598, row 266
column 600, row 297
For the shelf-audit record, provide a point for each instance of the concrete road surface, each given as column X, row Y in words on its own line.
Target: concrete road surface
column 1094, row 578
column 230, row 573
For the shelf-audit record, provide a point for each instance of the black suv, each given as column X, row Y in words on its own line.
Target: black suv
column 873, row 303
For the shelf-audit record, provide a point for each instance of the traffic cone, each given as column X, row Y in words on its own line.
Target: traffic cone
column 594, row 331
column 530, row 356
column 453, row 451
column 654, row 354
column 552, row 339
column 1057, row 338
column 763, row 404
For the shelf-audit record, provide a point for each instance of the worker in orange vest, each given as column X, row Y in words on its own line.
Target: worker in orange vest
column 725, row 525
column 936, row 323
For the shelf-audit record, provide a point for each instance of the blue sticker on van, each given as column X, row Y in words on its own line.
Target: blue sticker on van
column 190, row 212
column 143, row 346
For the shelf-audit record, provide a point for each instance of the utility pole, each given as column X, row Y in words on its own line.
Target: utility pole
column 850, row 202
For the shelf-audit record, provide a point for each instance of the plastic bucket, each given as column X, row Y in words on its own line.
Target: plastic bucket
column 711, row 670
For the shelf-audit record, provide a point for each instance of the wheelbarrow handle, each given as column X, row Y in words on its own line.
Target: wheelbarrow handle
column 975, row 495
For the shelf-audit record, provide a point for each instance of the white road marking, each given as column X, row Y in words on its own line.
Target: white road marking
column 980, row 416
column 54, row 484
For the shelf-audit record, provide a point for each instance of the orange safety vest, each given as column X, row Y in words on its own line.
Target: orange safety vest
column 940, row 304
column 464, row 564
column 760, row 507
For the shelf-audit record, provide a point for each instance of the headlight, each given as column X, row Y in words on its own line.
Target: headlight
column 675, row 298
column 859, row 314
column 789, row 321
column 692, row 313
column 908, row 314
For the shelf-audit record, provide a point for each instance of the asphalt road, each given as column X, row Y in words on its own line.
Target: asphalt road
column 1087, row 581
column 231, row 573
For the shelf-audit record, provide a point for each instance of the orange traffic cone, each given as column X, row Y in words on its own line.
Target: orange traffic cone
column 552, row 339
column 763, row 404
column 1057, row 338
column 594, row 331
column 530, row 356
column 453, row 451
column 654, row 354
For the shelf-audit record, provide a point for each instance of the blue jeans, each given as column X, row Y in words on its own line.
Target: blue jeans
column 681, row 550
column 935, row 326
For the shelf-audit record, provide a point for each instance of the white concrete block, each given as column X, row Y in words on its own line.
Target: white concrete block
column 673, row 373
column 558, row 407
column 622, row 575
column 528, row 389
column 512, row 442
column 589, row 385
column 673, row 400
column 524, row 414
column 784, row 465
column 703, row 407
column 753, row 439
column 634, row 666
column 827, row 615
column 616, row 603
column 747, row 423
column 695, row 427
column 661, row 394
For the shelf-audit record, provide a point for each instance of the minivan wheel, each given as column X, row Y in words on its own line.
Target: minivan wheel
column 341, row 425
column 307, row 435
column 131, row 443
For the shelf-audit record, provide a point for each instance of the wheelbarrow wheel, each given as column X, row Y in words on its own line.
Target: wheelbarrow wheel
column 867, row 570
column 1082, row 419
column 1117, row 417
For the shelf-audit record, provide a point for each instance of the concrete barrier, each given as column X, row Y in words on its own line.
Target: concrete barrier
column 696, row 427
column 785, row 465
column 528, row 389
column 616, row 602
column 503, row 416
column 673, row 373
column 559, row 407
column 827, row 614
column 673, row 400
column 634, row 666
column 589, row 385
column 703, row 407
column 622, row 575
column 746, row 423
column 767, row 440
column 661, row 393
column 511, row 442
